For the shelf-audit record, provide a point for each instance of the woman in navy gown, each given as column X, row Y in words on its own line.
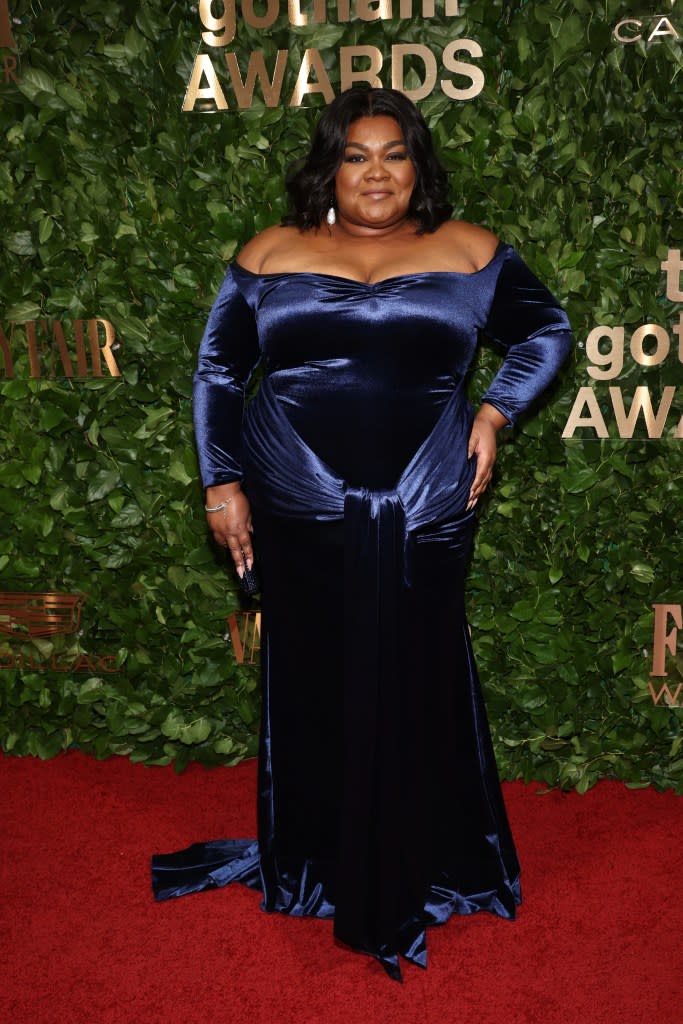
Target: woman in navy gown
column 356, row 470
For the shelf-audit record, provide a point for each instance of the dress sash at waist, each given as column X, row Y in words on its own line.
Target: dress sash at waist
column 286, row 477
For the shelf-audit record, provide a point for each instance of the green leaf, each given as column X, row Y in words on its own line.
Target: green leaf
column 21, row 243
column 580, row 480
column 26, row 309
column 621, row 661
column 72, row 96
column 59, row 496
column 177, row 471
column 129, row 516
column 34, row 81
column 523, row 611
column 224, row 746
column 104, row 481
column 642, row 572
column 45, row 229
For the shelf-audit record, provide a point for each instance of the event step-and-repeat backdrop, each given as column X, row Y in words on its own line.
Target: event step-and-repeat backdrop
column 143, row 143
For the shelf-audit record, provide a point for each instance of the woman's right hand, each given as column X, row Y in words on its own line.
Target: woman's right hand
column 231, row 525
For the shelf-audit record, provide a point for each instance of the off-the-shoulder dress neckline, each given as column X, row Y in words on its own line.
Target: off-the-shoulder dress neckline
column 500, row 250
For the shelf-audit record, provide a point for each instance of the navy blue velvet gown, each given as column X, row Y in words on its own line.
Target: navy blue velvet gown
column 378, row 798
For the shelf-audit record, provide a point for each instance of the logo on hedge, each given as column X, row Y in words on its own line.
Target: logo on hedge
column 9, row 63
column 245, row 635
column 665, row 640
column 451, row 70
column 42, row 348
column 23, row 614
column 649, row 345
column 26, row 616
column 646, row 28
column 6, row 36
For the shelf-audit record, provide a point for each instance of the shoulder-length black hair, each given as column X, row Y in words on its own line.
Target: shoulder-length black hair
column 310, row 186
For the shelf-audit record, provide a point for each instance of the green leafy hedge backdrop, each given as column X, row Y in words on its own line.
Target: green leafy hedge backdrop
column 117, row 205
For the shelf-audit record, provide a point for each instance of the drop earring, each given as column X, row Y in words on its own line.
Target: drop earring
column 331, row 217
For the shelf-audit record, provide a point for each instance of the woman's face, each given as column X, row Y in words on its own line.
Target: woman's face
column 376, row 178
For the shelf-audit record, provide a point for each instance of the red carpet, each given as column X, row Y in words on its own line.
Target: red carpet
column 597, row 940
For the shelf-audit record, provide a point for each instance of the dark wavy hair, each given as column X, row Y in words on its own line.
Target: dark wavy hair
column 310, row 186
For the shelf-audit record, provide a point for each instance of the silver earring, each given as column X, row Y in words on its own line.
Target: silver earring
column 331, row 217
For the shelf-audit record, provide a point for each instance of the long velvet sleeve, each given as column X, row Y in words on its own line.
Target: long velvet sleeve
column 228, row 353
column 530, row 324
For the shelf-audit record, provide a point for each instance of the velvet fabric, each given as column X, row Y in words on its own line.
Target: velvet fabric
column 379, row 802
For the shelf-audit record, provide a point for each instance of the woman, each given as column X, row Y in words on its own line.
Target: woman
column 379, row 802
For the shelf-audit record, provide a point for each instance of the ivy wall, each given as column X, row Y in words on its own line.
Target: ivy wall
column 119, row 207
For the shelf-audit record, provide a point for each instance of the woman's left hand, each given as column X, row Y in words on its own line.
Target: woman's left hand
column 482, row 443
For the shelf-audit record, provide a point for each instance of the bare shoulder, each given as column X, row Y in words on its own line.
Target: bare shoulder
column 476, row 245
column 262, row 247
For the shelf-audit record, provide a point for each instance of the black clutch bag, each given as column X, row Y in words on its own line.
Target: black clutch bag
column 249, row 582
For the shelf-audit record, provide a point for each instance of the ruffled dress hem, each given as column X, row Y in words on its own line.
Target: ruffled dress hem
column 220, row 862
